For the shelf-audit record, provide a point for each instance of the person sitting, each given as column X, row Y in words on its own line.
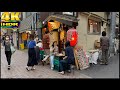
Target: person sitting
column 68, row 59
column 53, row 52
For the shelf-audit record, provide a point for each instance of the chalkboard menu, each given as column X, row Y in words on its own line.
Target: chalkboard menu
column 81, row 58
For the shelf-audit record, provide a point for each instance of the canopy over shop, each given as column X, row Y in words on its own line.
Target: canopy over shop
column 58, row 25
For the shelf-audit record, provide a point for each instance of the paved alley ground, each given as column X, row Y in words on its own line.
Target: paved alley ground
column 19, row 61
column 18, row 70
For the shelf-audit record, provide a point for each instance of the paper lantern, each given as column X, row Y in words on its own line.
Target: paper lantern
column 72, row 36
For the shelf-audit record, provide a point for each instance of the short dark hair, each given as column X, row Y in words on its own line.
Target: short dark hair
column 67, row 43
column 103, row 33
column 7, row 35
column 47, row 31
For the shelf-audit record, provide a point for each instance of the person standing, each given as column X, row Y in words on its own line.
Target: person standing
column 39, row 47
column 68, row 59
column 31, row 53
column 46, row 40
column 53, row 52
column 7, row 44
column 104, row 46
column 39, row 44
column 11, row 38
column 36, row 39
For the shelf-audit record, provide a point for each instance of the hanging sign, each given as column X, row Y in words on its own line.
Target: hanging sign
column 53, row 25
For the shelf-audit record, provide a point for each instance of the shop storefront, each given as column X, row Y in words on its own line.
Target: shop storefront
column 58, row 25
column 25, row 30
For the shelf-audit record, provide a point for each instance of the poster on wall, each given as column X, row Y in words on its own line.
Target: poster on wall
column 81, row 58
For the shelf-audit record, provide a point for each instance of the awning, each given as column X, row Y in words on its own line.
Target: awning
column 68, row 20
column 26, row 24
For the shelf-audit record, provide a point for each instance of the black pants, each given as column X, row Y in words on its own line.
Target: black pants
column 31, row 57
column 64, row 65
column 8, row 56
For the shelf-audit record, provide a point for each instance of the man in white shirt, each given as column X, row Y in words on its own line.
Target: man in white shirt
column 39, row 44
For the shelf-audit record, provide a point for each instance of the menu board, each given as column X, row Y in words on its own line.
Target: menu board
column 81, row 58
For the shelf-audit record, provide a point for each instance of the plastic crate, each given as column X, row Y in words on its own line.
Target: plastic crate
column 42, row 52
column 56, row 62
column 56, row 58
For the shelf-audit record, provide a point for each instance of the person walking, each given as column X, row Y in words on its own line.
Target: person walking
column 116, row 45
column 31, row 53
column 7, row 44
column 68, row 59
column 104, row 46
column 53, row 52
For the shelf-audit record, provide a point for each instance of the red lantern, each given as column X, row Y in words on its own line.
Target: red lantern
column 72, row 36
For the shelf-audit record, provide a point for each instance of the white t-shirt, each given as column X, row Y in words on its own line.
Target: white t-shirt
column 40, row 45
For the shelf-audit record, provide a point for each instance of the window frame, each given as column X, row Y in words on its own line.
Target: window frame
column 98, row 26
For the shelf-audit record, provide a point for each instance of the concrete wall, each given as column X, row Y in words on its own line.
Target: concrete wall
column 85, row 40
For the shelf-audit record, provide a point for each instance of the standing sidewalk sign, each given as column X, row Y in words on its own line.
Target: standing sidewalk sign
column 81, row 58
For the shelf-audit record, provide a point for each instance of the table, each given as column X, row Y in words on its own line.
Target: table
column 57, row 59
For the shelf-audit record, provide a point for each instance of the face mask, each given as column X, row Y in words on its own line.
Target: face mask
column 7, row 38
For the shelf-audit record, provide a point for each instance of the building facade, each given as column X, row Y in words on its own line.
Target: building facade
column 90, row 27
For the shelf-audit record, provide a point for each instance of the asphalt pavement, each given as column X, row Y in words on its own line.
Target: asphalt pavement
column 104, row 71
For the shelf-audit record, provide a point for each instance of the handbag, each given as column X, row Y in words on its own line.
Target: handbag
column 12, row 49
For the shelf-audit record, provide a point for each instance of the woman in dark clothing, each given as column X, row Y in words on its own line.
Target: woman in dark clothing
column 31, row 54
column 7, row 44
column 104, row 44
column 68, row 59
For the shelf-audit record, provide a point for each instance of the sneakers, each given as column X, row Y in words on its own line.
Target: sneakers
column 62, row 72
column 69, row 71
column 8, row 67
column 33, row 68
column 30, row 68
column 52, row 68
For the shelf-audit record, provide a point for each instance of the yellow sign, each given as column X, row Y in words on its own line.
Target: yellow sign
column 53, row 25
column 10, row 16
column 10, row 20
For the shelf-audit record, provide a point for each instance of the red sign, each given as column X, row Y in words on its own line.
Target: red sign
column 72, row 36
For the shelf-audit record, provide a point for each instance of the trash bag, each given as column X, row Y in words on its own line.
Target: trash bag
column 95, row 58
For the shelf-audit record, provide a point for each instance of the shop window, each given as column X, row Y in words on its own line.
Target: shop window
column 94, row 27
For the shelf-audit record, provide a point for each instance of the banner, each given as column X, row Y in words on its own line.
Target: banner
column 53, row 25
